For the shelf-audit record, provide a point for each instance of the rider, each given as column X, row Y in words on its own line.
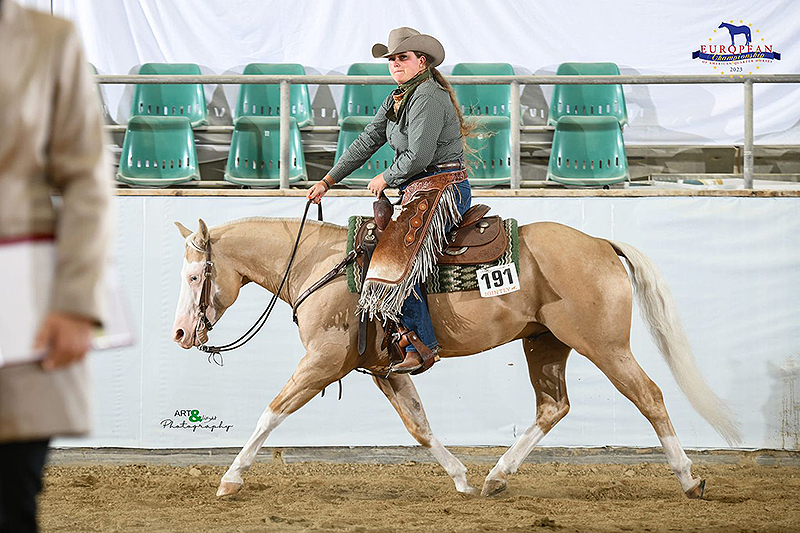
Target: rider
column 422, row 121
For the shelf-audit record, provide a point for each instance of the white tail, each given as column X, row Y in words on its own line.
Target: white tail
column 660, row 313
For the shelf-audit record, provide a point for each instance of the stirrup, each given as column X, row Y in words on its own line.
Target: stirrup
column 411, row 363
column 425, row 355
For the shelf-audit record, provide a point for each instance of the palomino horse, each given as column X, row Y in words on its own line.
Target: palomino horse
column 575, row 295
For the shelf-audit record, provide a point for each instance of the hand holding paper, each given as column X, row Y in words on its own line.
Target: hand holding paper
column 60, row 338
column 64, row 339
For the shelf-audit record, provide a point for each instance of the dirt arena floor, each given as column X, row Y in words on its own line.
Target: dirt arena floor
column 744, row 493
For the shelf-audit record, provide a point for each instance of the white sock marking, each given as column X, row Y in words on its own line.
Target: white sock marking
column 510, row 461
column 244, row 460
column 451, row 464
column 678, row 461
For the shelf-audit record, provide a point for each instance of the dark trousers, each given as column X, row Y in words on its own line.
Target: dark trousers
column 21, row 465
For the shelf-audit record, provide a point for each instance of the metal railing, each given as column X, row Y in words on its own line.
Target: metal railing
column 514, row 81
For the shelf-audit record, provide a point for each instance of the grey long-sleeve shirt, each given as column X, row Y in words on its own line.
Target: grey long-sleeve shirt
column 427, row 133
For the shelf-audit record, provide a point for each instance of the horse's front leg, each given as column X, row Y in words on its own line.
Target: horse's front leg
column 312, row 374
column 402, row 394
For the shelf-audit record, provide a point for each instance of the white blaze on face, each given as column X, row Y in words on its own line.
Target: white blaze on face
column 191, row 285
column 189, row 301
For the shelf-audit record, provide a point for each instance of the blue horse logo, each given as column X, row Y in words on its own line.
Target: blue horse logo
column 734, row 30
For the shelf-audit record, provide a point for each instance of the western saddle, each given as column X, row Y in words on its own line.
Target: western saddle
column 477, row 240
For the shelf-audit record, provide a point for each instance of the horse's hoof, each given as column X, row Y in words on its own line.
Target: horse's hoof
column 698, row 490
column 492, row 487
column 226, row 488
column 469, row 491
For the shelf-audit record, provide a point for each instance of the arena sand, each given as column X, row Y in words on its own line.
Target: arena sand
column 417, row 497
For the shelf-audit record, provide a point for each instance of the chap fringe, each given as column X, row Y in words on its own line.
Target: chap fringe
column 385, row 300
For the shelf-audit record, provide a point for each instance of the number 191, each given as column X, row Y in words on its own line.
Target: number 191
column 497, row 278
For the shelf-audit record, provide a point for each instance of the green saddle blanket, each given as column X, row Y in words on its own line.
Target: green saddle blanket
column 444, row 278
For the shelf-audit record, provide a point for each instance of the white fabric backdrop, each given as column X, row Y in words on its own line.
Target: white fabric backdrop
column 732, row 264
column 641, row 37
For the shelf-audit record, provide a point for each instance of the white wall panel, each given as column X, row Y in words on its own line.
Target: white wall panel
column 733, row 265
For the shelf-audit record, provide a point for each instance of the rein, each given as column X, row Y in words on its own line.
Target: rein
column 205, row 294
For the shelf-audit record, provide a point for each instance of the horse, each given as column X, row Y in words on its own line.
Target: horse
column 575, row 294
column 734, row 30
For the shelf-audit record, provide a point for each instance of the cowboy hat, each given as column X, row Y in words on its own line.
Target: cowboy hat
column 407, row 39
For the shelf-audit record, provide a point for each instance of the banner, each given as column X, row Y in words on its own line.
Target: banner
column 534, row 37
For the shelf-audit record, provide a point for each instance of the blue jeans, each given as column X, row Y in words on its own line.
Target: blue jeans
column 415, row 310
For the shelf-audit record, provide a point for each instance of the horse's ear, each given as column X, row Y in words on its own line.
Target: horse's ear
column 201, row 238
column 185, row 232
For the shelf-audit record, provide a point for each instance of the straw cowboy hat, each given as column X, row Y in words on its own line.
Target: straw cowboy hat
column 407, row 39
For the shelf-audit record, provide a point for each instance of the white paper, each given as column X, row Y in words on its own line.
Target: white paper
column 27, row 268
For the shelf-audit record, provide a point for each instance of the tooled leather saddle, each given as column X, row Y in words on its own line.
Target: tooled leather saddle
column 477, row 239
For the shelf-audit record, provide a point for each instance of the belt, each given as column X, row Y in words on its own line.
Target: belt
column 450, row 165
column 32, row 237
column 436, row 181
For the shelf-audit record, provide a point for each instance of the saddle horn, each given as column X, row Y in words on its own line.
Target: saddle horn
column 383, row 210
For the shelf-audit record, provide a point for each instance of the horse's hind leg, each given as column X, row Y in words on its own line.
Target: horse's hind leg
column 547, row 360
column 308, row 380
column 402, row 394
column 629, row 378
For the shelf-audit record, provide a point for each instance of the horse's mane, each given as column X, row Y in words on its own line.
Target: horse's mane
column 274, row 219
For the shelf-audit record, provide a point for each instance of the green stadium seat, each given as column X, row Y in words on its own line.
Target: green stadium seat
column 264, row 100
column 588, row 100
column 588, row 151
column 488, row 107
column 158, row 152
column 380, row 160
column 484, row 100
column 182, row 99
column 490, row 161
column 361, row 102
column 254, row 157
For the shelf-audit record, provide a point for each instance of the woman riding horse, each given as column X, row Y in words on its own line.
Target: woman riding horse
column 422, row 121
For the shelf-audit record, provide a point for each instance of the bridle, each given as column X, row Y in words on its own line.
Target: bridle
column 205, row 296
column 202, row 319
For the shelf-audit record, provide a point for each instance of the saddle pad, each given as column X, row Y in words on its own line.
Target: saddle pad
column 445, row 278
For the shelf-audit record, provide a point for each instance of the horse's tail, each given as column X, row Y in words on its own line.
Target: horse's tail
column 660, row 313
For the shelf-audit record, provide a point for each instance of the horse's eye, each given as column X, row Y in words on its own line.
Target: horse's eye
column 194, row 278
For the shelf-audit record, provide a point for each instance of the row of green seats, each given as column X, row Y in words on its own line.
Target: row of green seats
column 587, row 148
column 264, row 100
column 153, row 158
column 188, row 100
column 160, row 151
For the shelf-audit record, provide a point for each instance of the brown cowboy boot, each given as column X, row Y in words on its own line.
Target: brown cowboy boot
column 412, row 362
column 415, row 362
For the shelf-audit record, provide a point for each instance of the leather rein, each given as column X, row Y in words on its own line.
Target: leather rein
column 205, row 296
